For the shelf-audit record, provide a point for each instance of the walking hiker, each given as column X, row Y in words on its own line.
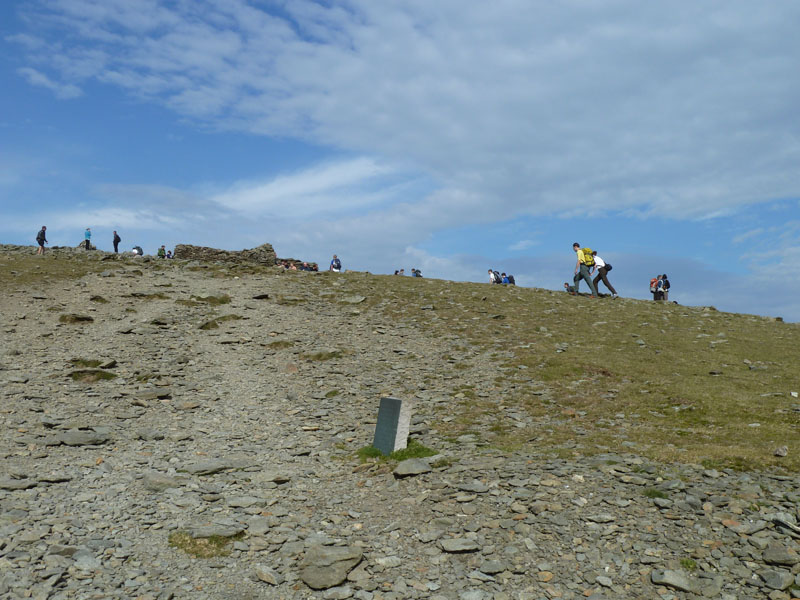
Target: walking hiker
column 655, row 287
column 336, row 265
column 87, row 238
column 41, row 239
column 117, row 240
column 583, row 269
column 602, row 270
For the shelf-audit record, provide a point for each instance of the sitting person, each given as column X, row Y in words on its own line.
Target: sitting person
column 169, row 253
column 504, row 279
column 162, row 252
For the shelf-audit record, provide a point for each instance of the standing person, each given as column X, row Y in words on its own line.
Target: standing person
column 117, row 240
column 664, row 287
column 336, row 265
column 87, row 238
column 583, row 269
column 602, row 270
column 655, row 287
column 41, row 239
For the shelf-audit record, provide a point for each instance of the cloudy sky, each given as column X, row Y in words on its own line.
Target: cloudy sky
column 449, row 136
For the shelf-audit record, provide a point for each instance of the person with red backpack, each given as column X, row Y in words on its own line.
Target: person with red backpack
column 583, row 269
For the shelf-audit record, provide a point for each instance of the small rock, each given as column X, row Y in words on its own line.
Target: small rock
column 411, row 467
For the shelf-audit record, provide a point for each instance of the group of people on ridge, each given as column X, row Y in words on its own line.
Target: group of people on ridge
column 501, row 278
column 41, row 240
column 587, row 265
column 659, row 287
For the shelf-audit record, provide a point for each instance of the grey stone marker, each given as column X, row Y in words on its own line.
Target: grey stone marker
column 394, row 422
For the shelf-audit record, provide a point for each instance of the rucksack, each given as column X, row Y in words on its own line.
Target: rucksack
column 654, row 285
column 497, row 278
column 337, row 264
column 511, row 280
column 665, row 284
column 40, row 236
column 588, row 256
column 608, row 267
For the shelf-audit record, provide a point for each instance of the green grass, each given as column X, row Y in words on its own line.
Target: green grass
column 73, row 319
column 414, row 450
column 672, row 408
column 689, row 564
column 280, row 344
column 654, row 493
column 91, row 375
column 98, row 299
column 213, row 300
column 214, row 323
column 209, row 547
column 85, row 363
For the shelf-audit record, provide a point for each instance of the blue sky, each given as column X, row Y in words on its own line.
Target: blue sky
column 447, row 136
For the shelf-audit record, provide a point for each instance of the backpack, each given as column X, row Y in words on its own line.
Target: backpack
column 588, row 257
column 511, row 280
column 40, row 237
column 608, row 267
column 665, row 284
column 337, row 264
column 653, row 285
column 496, row 275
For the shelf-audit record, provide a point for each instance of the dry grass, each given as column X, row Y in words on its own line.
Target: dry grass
column 702, row 386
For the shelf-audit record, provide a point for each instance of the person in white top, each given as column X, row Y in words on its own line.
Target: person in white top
column 602, row 270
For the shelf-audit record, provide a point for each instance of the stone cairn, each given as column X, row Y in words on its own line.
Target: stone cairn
column 263, row 254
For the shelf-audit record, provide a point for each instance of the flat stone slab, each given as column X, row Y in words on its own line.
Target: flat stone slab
column 82, row 438
column 222, row 529
column 675, row 580
column 327, row 566
column 458, row 545
column 158, row 482
column 17, row 484
column 411, row 467
column 208, row 467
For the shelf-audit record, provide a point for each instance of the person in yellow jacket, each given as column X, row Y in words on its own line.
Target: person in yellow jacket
column 583, row 271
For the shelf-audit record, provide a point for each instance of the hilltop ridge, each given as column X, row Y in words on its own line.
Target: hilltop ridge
column 154, row 409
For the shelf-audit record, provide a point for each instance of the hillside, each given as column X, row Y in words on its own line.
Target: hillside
column 158, row 410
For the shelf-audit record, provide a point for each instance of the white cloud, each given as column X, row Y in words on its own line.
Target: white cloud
column 333, row 189
column 647, row 108
column 64, row 91
column 522, row 245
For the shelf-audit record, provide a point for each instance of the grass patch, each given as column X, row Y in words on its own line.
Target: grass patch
column 148, row 295
column 214, row 323
column 209, row 547
column 689, row 564
column 26, row 272
column 73, row 319
column 85, row 363
column 213, row 300
column 322, row 356
column 413, row 450
column 91, row 375
column 98, row 299
column 332, row 394
column 654, row 493
column 280, row 344
column 289, row 300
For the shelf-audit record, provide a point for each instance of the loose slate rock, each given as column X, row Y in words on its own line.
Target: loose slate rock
column 158, row 482
column 412, row 466
column 675, row 580
column 17, row 484
column 458, row 545
column 208, row 467
column 780, row 555
column 327, row 566
column 82, row 438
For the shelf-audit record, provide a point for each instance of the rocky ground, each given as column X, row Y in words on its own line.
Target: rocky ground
column 231, row 428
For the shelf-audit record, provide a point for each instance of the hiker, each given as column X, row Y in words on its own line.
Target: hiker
column 137, row 251
column 504, row 279
column 169, row 253
column 664, row 288
column 162, row 252
column 655, row 287
column 41, row 239
column 117, row 240
column 336, row 265
column 492, row 278
column 87, row 238
column 583, row 269
column 602, row 270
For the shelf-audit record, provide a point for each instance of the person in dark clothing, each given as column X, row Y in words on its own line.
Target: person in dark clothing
column 117, row 240
column 41, row 239
column 664, row 287
column 602, row 269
